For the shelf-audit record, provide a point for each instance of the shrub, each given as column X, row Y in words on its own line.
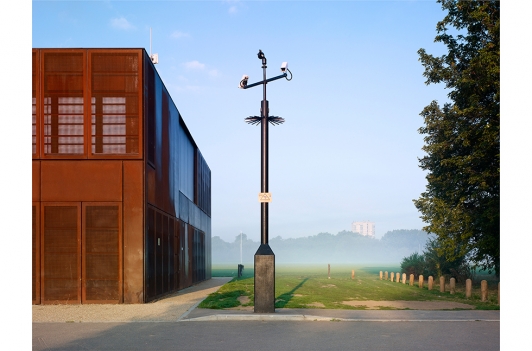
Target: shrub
column 413, row 264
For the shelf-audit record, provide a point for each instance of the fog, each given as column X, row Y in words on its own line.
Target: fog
column 343, row 248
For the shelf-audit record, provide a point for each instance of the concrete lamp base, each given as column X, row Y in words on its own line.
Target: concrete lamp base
column 264, row 280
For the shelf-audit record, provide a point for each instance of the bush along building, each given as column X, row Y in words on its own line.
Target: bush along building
column 121, row 193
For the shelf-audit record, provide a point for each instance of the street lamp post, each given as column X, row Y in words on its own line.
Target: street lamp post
column 264, row 257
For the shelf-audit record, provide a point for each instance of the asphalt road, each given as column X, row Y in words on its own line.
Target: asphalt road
column 269, row 335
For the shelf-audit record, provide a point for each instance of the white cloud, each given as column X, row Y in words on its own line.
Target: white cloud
column 194, row 65
column 177, row 34
column 206, row 71
column 121, row 23
column 234, row 6
column 187, row 88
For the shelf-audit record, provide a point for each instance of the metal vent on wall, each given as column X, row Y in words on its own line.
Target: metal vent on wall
column 101, row 253
column 61, row 270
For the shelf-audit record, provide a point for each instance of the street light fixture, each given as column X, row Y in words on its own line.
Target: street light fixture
column 264, row 257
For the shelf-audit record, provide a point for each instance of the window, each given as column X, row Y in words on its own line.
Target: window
column 63, row 125
column 115, row 103
column 109, row 129
column 63, row 103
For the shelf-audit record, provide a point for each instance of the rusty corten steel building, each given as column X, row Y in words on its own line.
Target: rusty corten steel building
column 121, row 192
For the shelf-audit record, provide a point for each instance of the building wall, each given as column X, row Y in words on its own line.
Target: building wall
column 87, row 161
column 94, row 188
column 178, row 196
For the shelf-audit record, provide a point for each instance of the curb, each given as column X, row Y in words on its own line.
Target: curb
column 309, row 318
column 257, row 317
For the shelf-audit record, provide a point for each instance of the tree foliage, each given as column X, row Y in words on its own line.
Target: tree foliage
column 462, row 138
column 413, row 264
column 405, row 238
column 434, row 262
column 437, row 264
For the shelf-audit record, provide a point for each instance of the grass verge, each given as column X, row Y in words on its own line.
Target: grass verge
column 310, row 287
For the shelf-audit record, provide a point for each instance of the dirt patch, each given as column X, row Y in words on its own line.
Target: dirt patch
column 329, row 286
column 297, row 295
column 413, row 305
column 243, row 300
column 316, row 304
column 241, row 308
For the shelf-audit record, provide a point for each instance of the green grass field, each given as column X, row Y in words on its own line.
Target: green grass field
column 309, row 287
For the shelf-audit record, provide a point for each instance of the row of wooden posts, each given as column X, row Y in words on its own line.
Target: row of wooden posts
column 329, row 272
column 452, row 284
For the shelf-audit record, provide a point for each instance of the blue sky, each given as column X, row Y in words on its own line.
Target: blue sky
column 348, row 150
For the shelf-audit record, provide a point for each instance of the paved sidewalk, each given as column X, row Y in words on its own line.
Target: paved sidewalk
column 167, row 309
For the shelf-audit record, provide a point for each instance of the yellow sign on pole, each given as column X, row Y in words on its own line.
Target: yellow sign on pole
column 265, row 197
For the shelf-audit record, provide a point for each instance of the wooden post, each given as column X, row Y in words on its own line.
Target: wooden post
column 468, row 288
column 352, row 274
column 329, row 271
column 431, row 282
column 385, row 275
column 420, row 280
column 484, row 291
column 442, row 284
column 380, row 275
column 452, row 284
column 411, row 280
column 404, row 278
column 397, row 277
column 391, row 276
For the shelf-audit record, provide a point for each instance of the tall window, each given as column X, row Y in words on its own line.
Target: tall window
column 34, row 84
column 63, row 125
column 109, row 128
column 114, row 103
column 63, row 103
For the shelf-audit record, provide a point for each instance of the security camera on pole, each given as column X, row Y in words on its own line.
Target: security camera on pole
column 264, row 257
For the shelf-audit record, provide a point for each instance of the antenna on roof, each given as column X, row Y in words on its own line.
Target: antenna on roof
column 154, row 57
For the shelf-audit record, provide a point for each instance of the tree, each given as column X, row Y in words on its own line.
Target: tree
column 413, row 239
column 437, row 264
column 462, row 138
column 413, row 264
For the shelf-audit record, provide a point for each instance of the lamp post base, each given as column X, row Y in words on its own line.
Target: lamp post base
column 264, row 280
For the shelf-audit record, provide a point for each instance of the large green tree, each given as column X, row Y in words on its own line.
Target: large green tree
column 461, row 201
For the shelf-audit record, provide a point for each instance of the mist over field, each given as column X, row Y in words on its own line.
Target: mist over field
column 344, row 247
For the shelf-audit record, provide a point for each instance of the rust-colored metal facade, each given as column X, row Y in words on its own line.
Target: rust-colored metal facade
column 121, row 193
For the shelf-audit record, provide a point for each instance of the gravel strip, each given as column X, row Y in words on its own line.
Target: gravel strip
column 167, row 309
column 413, row 305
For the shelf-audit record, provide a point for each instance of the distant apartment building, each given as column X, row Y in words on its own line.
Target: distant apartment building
column 366, row 228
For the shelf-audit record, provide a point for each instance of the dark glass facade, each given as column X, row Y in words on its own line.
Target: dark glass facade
column 179, row 196
column 121, row 193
